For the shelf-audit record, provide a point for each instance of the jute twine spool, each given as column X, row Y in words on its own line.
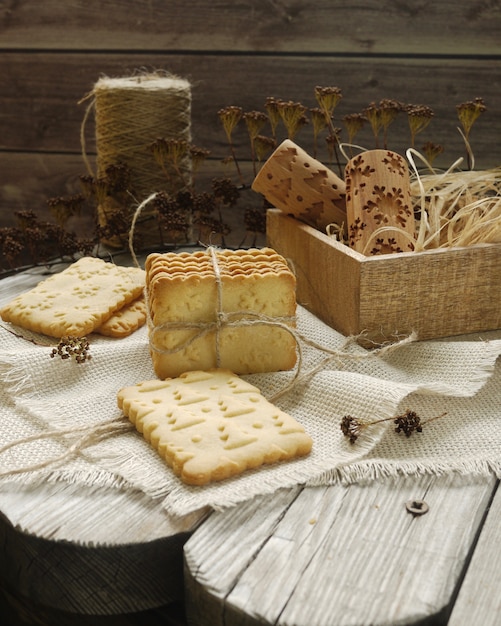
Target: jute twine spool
column 130, row 114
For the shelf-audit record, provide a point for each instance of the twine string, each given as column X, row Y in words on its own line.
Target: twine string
column 220, row 315
column 83, row 125
column 89, row 436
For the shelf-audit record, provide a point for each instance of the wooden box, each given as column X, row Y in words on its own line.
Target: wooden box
column 437, row 293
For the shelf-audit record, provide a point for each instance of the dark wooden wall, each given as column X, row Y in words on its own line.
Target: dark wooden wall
column 439, row 53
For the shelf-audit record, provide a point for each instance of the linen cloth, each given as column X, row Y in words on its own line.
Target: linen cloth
column 48, row 405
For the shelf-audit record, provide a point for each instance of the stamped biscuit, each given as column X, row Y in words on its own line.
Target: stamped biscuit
column 210, row 425
column 251, row 292
column 77, row 300
column 125, row 321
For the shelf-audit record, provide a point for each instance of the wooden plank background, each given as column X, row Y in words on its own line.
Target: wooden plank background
column 435, row 53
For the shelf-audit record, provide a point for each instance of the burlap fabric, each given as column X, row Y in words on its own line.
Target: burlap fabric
column 65, row 423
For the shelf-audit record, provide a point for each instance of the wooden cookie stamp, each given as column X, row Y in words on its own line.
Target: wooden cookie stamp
column 301, row 186
column 378, row 197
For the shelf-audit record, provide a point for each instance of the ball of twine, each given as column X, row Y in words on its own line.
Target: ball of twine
column 130, row 114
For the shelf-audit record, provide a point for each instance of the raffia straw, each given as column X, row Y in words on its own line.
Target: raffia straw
column 458, row 208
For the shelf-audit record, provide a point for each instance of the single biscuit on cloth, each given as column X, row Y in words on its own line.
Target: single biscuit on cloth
column 125, row 321
column 77, row 300
column 210, row 425
column 221, row 308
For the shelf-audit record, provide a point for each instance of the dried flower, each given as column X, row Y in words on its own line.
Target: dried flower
column 419, row 117
column 468, row 113
column 351, row 427
column 407, row 423
column 76, row 348
column 389, row 109
column 354, row 123
column 198, row 157
column 225, row 190
column 432, row 151
column 263, row 146
column 319, row 123
column 118, row 178
column 254, row 121
column 373, row 114
column 11, row 246
column 293, row 116
column 271, row 106
column 328, row 98
column 230, row 116
column 26, row 219
column 64, row 208
column 255, row 222
column 170, row 153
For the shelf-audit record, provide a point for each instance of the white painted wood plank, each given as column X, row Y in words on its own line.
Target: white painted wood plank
column 84, row 515
column 479, row 599
column 339, row 555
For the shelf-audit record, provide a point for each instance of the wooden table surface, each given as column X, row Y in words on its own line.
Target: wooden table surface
column 324, row 556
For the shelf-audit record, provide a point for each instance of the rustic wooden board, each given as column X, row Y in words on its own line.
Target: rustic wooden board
column 479, row 600
column 40, row 94
column 324, row 26
column 336, row 555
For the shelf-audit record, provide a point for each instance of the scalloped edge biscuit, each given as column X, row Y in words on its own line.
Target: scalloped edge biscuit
column 211, row 425
column 77, row 300
column 125, row 321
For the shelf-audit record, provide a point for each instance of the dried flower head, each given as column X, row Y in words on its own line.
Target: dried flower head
column 328, row 98
column 62, row 208
column 373, row 113
column 254, row 121
column 468, row 113
column 263, row 146
column 255, row 221
column 432, row 151
column 271, row 106
column 11, row 246
column 351, row 427
column 318, row 121
column 169, row 151
column 354, row 123
column 419, row 116
column 407, row 423
column 26, row 219
column 198, row 157
column 230, row 116
column 76, row 348
column 118, row 178
column 293, row 116
column 225, row 190
column 388, row 110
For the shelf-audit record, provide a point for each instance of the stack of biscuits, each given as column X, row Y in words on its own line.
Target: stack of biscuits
column 221, row 308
